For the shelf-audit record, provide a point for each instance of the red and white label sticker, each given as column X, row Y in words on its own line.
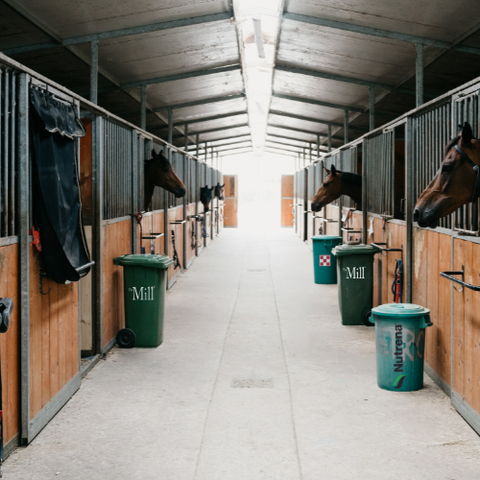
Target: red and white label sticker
column 324, row 260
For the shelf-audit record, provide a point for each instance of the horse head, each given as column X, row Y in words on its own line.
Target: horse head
column 206, row 197
column 220, row 191
column 335, row 184
column 454, row 184
column 159, row 172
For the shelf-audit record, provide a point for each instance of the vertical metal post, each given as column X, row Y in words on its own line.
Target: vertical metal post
column 165, row 193
column 97, row 209
column 143, row 108
column 329, row 138
column 345, row 128
column 419, row 74
column 185, row 199
column 372, row 108
column 24, row 254
column 94, row 71
column 197, row 190
column 340, row 200
column 136, row 200
column 318, row 146
column 409, row 138
column 365, row 192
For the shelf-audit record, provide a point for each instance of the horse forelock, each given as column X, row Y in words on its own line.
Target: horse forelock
column 352, row 179
column 451, row 144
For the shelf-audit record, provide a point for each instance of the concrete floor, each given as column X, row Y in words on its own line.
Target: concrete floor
column 248, row 313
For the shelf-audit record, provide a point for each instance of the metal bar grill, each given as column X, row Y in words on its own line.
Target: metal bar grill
column 118, row 171
column 8, row 152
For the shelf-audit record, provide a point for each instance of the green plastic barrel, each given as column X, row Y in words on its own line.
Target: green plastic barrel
column 355, row 281
column 144, row 287
column 324, row 263
column 400, row 343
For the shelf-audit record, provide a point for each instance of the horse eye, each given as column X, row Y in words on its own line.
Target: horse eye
column 447, row 168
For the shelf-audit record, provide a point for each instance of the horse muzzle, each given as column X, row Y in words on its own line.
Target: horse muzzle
column 425, row 218
column 180, row 192
column 317, row 206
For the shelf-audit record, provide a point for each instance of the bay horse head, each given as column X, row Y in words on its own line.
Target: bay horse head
column 456, row 183
column 206, row 197
column 336, row 184
column 220, row 191
column 159, row 172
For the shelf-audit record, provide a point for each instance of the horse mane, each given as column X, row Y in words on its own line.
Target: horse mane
column 351, row 179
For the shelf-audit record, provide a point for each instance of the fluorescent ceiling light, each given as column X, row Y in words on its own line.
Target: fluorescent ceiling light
column 258, row 25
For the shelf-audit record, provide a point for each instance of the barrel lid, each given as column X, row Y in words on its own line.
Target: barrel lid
column 359, row 249
column 144, row 260
column 326, row 237
column 400, row 309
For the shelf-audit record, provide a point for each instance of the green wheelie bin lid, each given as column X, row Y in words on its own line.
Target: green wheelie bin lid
column 321, row 238
column 144, row 260
column 361, row 249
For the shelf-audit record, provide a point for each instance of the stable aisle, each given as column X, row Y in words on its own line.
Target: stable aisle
column 256, row 379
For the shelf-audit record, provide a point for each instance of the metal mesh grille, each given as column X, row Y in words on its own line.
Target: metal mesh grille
column 117, row 171
column 8, row 152
column 431, row 133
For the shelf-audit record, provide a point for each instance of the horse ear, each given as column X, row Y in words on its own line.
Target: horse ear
column 212, row 189
column 467, row 134
column 222, row 186
column 326, row 169
column 334, row 170
column 154, row 153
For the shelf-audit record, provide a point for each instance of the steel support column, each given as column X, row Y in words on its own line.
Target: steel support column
column 329, row 138
column 143, row 107
column 165, row 193
column 24, row 254
column 372, row 108
column 409, row 206
column 94, row 71
column 186, row 170
column 345, row 128
column 419, row 75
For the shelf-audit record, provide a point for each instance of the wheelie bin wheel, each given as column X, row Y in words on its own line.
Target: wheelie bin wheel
column 126, row 338
column 366, row 316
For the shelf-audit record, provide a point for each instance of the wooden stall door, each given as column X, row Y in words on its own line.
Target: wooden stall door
column 287, row 201
column 230, row 218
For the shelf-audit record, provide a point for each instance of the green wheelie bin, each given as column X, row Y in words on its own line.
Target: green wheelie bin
column 324, row 264
column 400, row 345
column 144, row 287
column 355, row 282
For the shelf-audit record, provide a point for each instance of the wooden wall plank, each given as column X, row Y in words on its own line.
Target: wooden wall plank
column 9, row 343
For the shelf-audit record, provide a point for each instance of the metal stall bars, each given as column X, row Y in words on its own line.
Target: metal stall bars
column 431, row 131
column 309, row 214
column 317, row 182
column 8, row 152
column 334, row 159
column 466, row 109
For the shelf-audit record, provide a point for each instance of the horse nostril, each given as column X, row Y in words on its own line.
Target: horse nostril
column 416, row 215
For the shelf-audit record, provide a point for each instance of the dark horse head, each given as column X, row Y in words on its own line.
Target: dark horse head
column 220, row 191
column 159, row 171
column 454, row 183
column 206, row 197
column 335, row 184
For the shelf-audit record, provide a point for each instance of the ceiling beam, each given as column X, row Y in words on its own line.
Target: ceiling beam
column 278, row 151
column 230, row 145
column 291, row 138
column 277, row 138
column 299, row 130
column 331, row 76
column 123, row 32
column 219, row 129
column 318, row 102
column 282, row 146
column 210, row 119
column 315, row 120
column 376, row 32
column 238, row 151
column 220, row 140
column 201, row 102
column 181, row 76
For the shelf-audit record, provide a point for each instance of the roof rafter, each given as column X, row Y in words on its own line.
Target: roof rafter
column 210, row 119
column 318, row 102
column 123, row 32
column 315, row 120
column 196, row 103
